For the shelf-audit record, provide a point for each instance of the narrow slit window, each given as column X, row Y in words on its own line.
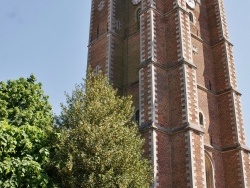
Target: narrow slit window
column 97, row 69
column 137, row 116
column 210, row 85
column 201, row 118
column 97, row 31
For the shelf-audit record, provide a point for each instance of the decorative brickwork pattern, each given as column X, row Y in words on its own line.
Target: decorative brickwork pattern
column 245, row 166
column 180, row 45
column 148, row 92
column 175, row 68
column 109, row 60
column 192, row 94
column 110, row 49
column 153, row 157
column 153, row 110
column 148, row 33
column 190, row 160
column 143, row 37
column 184, row 98
column 91, row 20
column 161, row 97
column 184, row 47
column 232, row 119
column 189, row 94
column 238, row 119
column 202, row 153
column 221, row 19
column 145, row 96
column 198, row 160
column 141, row 97
column 231, row 68
column 148, row 96
column 226, row 66
column 241, row 169
column 91, row 28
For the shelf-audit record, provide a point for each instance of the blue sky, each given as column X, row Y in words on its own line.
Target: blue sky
column 49, row 38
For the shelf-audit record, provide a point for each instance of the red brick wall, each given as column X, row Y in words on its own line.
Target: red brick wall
column 246, row 163
column 98, row 54
column 192, row 69
column 133, row 58
column 164, row 158
column 209, row 108
column 162, row 97
column 117, row 62
column 175, row 104
column 99, row 19
column 160, row 26
column 217, row 162
column 232, row 169
column 228, row 138
column 171, row 42
column 212, row 22
column 199, row 160
column 179, row 160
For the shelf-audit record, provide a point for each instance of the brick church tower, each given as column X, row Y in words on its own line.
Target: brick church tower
column 175, row 58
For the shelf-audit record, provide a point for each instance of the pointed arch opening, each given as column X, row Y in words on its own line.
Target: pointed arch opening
column 191, row 17
column 209, row 172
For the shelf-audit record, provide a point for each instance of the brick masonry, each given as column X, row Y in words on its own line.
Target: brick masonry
column 178, row 71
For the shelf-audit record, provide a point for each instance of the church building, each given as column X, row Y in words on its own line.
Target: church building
column 176, row 59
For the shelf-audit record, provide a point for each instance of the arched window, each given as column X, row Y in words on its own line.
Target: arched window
column 209, row 172
column 191, row 17
column 137, row 116
column 201, row 119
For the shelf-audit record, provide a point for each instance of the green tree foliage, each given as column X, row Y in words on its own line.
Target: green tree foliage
column 25, row 129
column 100, row 145
column 23, row 101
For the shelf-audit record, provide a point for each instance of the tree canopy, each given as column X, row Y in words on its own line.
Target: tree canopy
column 23, row 101
column 100, row 145
column 25, row 129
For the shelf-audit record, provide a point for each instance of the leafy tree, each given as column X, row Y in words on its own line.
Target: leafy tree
column 23, row 101
column 25, row 132
column 100, row 145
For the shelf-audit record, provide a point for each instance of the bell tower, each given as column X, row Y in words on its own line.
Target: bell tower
column 175, row 58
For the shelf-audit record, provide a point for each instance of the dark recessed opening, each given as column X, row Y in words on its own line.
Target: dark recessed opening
column 191, row 17
column 201, row 120
column 137, row 116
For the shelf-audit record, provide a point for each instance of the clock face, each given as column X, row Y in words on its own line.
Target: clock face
column 135, row 2
column 191, row 3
